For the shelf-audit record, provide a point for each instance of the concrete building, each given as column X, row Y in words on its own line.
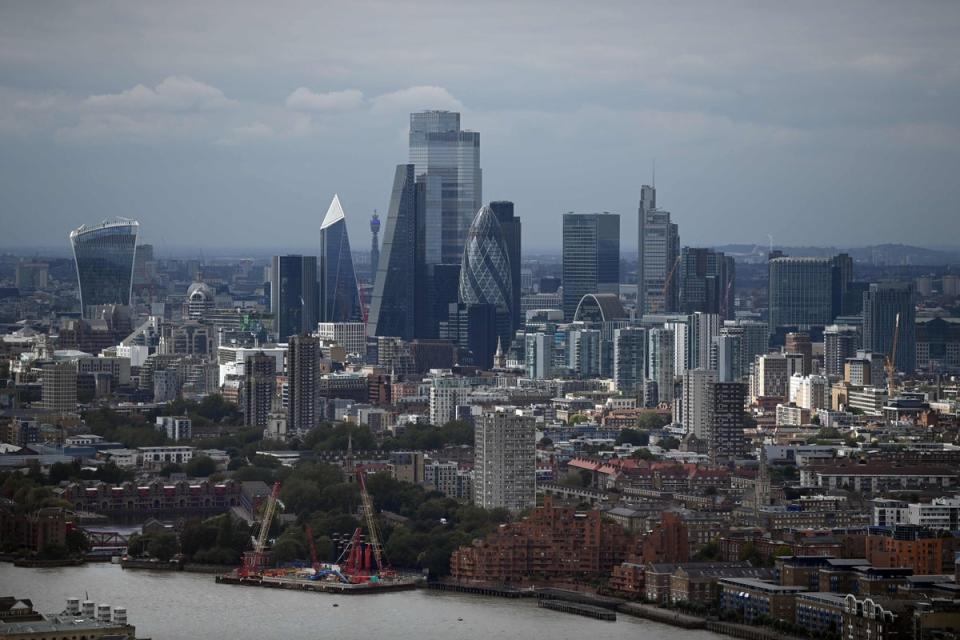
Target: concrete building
column 303, row 373
column 698, row 403
column 839, row 343
column 661, row 363
column 59, row 387
column 352, row 336
column 882, row 303
column 728, row 420
column 770, row 377
column 259, row 389
column 704, row 327
column 505, row 460
column 175, row 427
column 629, row 359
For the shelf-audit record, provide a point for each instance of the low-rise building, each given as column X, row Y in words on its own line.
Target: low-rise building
column 752, row 600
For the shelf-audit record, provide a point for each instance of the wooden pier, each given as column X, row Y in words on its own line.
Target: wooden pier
column 481, row 590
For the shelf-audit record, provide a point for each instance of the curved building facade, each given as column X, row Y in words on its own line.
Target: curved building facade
column 104, row 255
column 485, row 270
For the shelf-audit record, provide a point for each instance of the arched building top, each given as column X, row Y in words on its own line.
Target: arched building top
column 600, row 307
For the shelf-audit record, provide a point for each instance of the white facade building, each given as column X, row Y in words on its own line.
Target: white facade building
column 505, row 460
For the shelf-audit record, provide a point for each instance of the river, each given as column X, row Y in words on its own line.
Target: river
column 177, row 605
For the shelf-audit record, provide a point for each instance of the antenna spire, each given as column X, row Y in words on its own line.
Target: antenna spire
column 654, row 176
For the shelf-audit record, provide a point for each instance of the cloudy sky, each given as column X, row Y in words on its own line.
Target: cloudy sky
column 232, row 124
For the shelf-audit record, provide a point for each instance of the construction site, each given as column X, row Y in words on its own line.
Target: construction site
column 361, row 568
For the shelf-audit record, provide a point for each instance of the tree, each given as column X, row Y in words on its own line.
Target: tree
column 201, row 467
column 162, row 546
column 669, row 443
column 77, row 542
column 651, row 421
column 546, row 442
column 170, row 468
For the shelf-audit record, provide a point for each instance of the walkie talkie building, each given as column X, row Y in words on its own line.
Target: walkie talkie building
column 104, row 256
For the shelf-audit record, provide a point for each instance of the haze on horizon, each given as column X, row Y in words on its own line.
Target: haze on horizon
column 232, row 124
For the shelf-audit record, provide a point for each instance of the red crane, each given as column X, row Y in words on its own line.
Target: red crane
column 313, row 550
column 254, row 561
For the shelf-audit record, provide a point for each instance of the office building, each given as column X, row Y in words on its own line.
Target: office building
column 446, row 160
column 882, row 303
column 486, row 273
column 754, row 340
column 938, row 343
column 303, row 376
column 840, row 342
column 807, row 292
column 659, row 251
column 728, row 420
column 706, row 280
column 58, row 390
column 259, row 388
column 505, row 461
column 475, row 330
column 396, row 294
column 584, row 352
column 726, row 358
column 538, row 351
column 770, row 378
column 104, row 256
column 293, row 295
column 339, row 294
column 352, row 336
column 661, row 363
column 697, row 408
column 629, row 359
column 511, row 229
column 591, row 257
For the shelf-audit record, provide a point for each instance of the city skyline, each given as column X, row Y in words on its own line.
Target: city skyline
column 178, row 138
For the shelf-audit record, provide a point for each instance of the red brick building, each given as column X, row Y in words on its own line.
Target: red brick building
column 552, row 543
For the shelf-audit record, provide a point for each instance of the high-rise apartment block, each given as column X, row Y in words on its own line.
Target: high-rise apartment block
column 104, row 255
column 259, row 388
column 697, row 408
column 58, row 388
column 629, row 359
column 839, row 343
column 661, row 363
column 293, row 295
column 728, row 420
column 505, row 461
column 303, row 376
column 591, row 257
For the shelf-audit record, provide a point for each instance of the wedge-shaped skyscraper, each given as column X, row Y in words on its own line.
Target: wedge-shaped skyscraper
column 104, row 256
column 393, row 307
column 339, row 294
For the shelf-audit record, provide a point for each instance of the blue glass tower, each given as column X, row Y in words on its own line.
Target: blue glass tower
column 339, row 294
column 104, row 255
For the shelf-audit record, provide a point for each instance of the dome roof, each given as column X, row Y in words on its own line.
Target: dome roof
column 600, row 307
column 200, row 292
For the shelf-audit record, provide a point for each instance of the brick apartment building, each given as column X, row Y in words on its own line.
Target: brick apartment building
column 552, row 543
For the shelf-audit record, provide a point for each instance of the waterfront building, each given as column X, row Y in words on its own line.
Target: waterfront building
column 104, row 256
column 293, row 295
column 882, row 303
column 505, row 460
column 446, row 160
column 591, row 257
column 339, row 293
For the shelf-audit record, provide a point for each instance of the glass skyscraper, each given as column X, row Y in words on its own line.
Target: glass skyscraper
column 511, row 228
column 485, row 273
column 659, row 249
column 882, row 302
column 396, row 296
column 293, row 295
column 447, row 160
column 339, row 293
column 104, row 256
column 591, row 257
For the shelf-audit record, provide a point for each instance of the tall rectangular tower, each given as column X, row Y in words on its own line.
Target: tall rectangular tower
column 659, row 250
column 293, row 295
column 505, row 457
column 591, row 257
column 447, row 160
column 510, row 227
column 881, row 304
column 303, row 375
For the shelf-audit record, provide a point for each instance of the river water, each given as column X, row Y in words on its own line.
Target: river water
column 177, row 605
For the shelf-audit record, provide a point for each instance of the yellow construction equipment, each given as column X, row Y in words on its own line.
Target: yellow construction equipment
column 890, row 361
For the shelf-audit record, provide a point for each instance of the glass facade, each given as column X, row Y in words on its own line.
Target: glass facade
column 104, row 256
column 339, row 294
column 485, row 273
column 591, row 257
column 395, row 292
column 447, row 159
column 800, row 292
column 293, row 295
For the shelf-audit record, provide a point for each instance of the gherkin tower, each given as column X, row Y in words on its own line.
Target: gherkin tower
column 485, row 268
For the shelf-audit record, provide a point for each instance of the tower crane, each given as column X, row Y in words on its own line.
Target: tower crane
column 890, row 361
column 254, row 561
column 667, row 280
